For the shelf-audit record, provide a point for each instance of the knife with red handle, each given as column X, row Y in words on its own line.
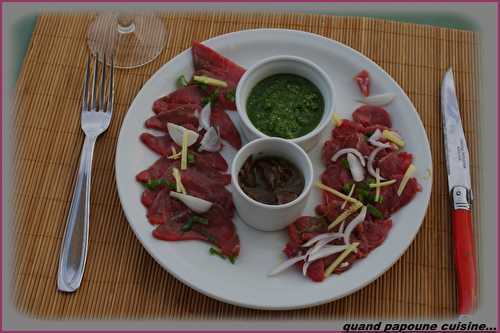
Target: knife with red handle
column 464, row 253
column 459, row 186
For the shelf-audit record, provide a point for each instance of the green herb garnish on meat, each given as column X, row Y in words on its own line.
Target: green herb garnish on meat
column 153, row 184
column 194, row 219
column 182, row 82
column 374, row 212
column 216, row 252
column 344, row 163
column 346, row 188
column 230, row 95
column 187, row 226
column 205, row 233
column 190, row 158
column 211, row 98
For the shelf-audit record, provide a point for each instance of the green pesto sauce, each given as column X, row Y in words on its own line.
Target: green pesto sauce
column 285, row 105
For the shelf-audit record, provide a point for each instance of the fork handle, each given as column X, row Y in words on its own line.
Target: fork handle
column 75, row 242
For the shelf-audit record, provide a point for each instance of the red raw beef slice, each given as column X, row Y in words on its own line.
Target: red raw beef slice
column 370, row 234
column 163, row 145
column 392, row 202
column 394, row 164
column 164, row 207
column 204, row 58
column 210, row 63
column 219, row 119
column 189, row 95
column 182, row 115
column 336, row 175
column 363, row 81
column 219, row 231
column 159, row 144
column 368, row 115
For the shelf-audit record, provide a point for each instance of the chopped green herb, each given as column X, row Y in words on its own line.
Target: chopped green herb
column 230, row 95
column 369, row 134
column 198, row 219
column 182, row 82
column 205, row 233
column 374, row 212
column 190, row 158
column 347, row 187
column 172, row 186
column 187, row 226
column 363, row 186
column 152, row 184
column 380, row 199
column 203, row 86
column 211, row 98
column 215, row 252
column 344, row 163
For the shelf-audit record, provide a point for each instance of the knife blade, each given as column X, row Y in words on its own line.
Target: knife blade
column 459, row 186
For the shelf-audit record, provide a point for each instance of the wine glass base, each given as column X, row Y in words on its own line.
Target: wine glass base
column 131, row 46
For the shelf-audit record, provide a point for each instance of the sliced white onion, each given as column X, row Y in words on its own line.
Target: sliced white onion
column 204, row 119
column 211, row 141
column 371, row 158
column 176, row 132
column 341, row 228
column 357, row 170
column 286, row 264
column 373, row 140
column 317, row 247
column 377, row 179
column 326, row 235
column 347, row 151
column 355, row 221
column 197, row 205
column 378, row 100
column 327, row 251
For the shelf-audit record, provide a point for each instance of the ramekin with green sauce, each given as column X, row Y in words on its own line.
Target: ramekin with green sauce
column 287, row 97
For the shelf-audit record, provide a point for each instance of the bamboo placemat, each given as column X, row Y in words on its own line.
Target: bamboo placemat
column 121, row 279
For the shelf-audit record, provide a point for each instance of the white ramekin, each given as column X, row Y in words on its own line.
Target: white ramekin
column 263, row 216
column 285, row 65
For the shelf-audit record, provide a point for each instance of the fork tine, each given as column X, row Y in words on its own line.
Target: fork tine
column 111, row 85
column 94, row 84
column 102, row 84
column 85, row 97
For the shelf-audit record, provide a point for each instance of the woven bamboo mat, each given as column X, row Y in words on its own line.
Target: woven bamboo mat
column 122, row 280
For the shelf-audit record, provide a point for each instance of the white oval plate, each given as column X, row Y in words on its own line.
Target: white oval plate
column 246, row 283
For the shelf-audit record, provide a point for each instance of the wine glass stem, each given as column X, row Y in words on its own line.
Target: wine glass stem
column 126, row 24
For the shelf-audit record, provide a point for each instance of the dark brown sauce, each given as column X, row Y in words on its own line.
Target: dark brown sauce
column 271, row 180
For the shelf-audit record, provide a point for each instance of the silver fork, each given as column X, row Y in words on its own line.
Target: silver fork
column 95, row 119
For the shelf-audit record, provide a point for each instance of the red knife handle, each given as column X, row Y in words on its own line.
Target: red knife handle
column 465, row 264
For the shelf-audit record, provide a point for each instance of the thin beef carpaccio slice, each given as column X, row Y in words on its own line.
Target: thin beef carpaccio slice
column 190, row 95
column 368, row 115
column 208, row 62
column 300, row 231
column 363, row 81
column 219, row 119
column 200, row 181
column 370, row 234
column 336, row 175
column 393, row 164
column 181, row 115
column 164, row 207
column 392, row 201
column 349, row 134
column 163, row 145
column 219, row 231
